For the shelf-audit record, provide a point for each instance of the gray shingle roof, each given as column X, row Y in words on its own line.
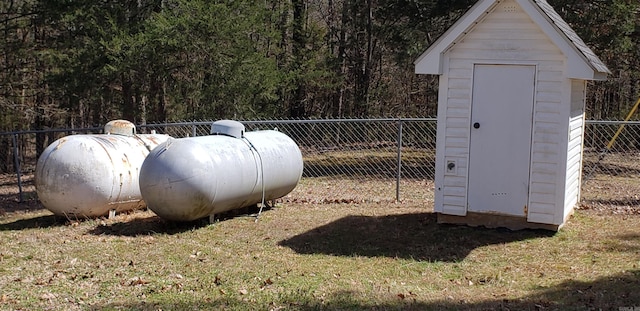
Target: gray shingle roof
column 582, row 47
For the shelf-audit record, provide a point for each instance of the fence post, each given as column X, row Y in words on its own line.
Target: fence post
column 16, row 165
column 193, row 130
column 399, row 160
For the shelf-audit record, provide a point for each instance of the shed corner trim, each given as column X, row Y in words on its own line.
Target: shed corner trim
column 430, row 64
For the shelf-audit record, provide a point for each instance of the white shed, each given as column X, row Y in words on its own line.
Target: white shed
column 510, row 115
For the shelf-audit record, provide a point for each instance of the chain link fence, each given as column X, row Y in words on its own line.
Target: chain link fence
column 611, row 168
column 353, row 161
column 347, row 161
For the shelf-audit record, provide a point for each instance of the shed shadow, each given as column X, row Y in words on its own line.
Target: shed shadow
column 411, row 236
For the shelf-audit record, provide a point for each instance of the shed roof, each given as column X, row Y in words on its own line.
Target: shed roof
column 583, row 62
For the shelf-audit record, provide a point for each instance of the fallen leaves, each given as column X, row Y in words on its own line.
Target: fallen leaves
column 266, row 283
column 135, row 281
column 7, row 299
column 336, row 201
column 198, row 255
column 48, row 296
column 607, row 209
column 408, row 295
column 217, row 280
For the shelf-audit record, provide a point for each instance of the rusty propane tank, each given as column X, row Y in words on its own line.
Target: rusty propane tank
column 90, row 175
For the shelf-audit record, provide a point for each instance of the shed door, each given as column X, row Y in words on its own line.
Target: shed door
column 500, row 141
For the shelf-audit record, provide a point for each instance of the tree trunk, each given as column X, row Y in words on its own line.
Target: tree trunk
column 297, row 107
column 341, row 64
column 128, row 102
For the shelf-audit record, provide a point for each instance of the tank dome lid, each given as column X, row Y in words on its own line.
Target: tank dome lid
column 120, row 127
column 228, row 128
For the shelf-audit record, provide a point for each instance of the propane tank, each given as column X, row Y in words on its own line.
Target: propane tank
column 90, row 175
column 190, row 178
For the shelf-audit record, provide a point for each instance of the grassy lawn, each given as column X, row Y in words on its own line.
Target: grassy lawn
column 317, row 256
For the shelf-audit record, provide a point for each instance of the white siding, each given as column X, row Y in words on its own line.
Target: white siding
column 507, row 36
column 456, row 140
column 574, row 148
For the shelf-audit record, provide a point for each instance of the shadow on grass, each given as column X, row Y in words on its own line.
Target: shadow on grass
column 412, row 236
column 611, row 169
column 617, row 292
column 629, row 243
column 147, row 226
column 11, row 202
column 47, row 221
column 156, row 225
column 628, row 201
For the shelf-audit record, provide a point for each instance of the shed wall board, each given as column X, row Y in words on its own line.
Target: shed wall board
column 574, row 146
column 558, row 123
column 544, row 218
column 448, row 201
column 578, row 97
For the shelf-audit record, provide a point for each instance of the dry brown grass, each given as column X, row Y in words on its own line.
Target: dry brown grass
column 314, row 254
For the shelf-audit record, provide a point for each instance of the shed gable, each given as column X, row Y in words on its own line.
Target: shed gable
column 506, row 33
column 581, row 61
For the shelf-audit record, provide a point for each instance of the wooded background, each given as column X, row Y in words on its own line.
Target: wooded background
column 81, row 63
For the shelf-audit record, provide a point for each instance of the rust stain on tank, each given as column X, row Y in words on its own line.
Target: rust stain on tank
column 120, row 127
column 125, row 161
column 526, row 210
column 61, row 141
column 120, row 123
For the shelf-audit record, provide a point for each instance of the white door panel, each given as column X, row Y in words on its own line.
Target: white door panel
column 500, row 143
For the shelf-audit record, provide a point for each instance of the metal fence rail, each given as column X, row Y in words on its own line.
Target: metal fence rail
column 359, row 160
